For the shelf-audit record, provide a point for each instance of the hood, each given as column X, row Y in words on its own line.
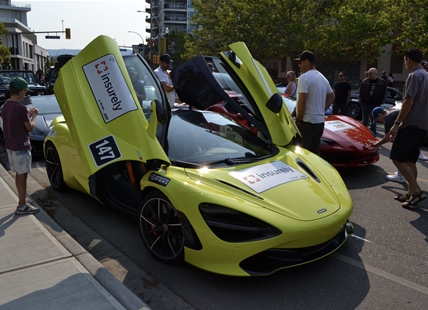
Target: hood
column 345, row 130
column 104, row 117
column 282, row 175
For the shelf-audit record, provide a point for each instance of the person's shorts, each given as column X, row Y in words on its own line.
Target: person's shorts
column 20, row 161
column 407, row 144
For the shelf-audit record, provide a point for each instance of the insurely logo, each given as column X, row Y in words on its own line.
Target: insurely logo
column 263, row 177
column 158, row 179
column 109, row 88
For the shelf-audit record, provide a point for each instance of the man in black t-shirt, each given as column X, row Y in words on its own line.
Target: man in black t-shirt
column 342, row 91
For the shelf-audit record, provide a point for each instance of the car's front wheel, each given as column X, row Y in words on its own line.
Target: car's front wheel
column 161, row 228
column 354, row 110
column 54, row 169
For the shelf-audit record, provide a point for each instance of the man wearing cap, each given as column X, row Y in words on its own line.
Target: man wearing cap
column 165, row 79
column 17, row 125
column 342, row 94
column 372, row 94
column 314, row 97
column 410, row 127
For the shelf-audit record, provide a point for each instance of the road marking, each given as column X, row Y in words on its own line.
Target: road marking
column 382, row 273
column 361, row 238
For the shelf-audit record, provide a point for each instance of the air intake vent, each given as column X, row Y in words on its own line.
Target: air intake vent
column 307, row 169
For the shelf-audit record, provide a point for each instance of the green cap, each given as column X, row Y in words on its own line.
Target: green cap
column 19, row 83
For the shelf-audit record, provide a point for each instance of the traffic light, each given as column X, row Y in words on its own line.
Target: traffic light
column 149, row 42
column 67, row 33
column 163, row 46
column 155, row 59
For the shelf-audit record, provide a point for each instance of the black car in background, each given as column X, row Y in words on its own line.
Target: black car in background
column 394, row 97
column 29, row 76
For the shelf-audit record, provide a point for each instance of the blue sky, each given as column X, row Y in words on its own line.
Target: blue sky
column 87, row 20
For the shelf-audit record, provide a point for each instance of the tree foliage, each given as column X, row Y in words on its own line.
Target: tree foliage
column 411, row 24
column 333, row 29
column 4, row 51
column 178, row 50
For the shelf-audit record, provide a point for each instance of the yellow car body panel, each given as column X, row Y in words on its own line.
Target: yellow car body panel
column 103, row 105
column 281, row 126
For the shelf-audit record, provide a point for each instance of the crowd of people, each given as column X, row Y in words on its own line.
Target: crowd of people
column 406, row 128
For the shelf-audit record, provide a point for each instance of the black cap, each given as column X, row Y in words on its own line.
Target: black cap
column 165, row 58
column 307, row 55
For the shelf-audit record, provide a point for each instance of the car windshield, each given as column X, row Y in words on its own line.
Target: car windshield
column 29, row 76
column 208, row 138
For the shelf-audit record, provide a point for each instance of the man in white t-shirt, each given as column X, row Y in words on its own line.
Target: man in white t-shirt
column 165, row 79
column 314, row 97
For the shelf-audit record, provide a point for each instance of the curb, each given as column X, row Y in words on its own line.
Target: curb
column 116, row 288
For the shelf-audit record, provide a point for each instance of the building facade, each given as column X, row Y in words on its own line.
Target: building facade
column 20, row 39
column 164, row 17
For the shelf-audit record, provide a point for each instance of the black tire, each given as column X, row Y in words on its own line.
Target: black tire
column 54, row 169
column 354, row 110
column 161, row 229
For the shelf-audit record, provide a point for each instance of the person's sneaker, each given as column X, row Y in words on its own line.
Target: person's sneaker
column 396, row 178
column 422, row 156
column 27, row 209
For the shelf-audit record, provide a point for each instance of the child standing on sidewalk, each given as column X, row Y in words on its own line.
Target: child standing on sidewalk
column 17, row 125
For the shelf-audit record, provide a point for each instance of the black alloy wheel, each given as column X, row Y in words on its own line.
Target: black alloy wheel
column 161, row 229
column 54, row 169
column 354, row 110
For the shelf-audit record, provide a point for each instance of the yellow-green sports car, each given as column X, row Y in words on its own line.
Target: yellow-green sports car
column 206, row 190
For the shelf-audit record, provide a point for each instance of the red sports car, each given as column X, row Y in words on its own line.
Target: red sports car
column 345, row 141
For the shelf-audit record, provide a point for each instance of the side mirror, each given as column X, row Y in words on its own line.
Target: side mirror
column 158, row 115
column 275, row 103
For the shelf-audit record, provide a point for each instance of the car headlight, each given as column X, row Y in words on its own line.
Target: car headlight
column 2, row 95
column 234, row 226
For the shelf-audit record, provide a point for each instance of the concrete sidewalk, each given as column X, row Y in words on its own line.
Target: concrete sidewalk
column 42, row 267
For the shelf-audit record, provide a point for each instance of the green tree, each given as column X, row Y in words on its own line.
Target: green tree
column 50, row 63
column 279, row 28
column 4, row 50
column 177, row 51
column 410, row 24
column 353, row 30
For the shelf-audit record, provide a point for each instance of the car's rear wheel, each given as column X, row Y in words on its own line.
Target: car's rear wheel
column 161, row 229
column 54, row 169
column 354, row 110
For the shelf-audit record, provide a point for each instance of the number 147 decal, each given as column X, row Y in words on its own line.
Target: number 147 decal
column 104, row 150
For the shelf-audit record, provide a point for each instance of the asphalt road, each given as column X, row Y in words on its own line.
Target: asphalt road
column 384, row 266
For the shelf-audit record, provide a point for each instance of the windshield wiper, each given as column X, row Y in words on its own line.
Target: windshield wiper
column 249, row 158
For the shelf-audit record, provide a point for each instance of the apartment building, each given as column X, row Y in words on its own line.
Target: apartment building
column 25, row 53
column 166, row 16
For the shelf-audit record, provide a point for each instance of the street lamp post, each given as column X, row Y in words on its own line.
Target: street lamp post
column 142, row 40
